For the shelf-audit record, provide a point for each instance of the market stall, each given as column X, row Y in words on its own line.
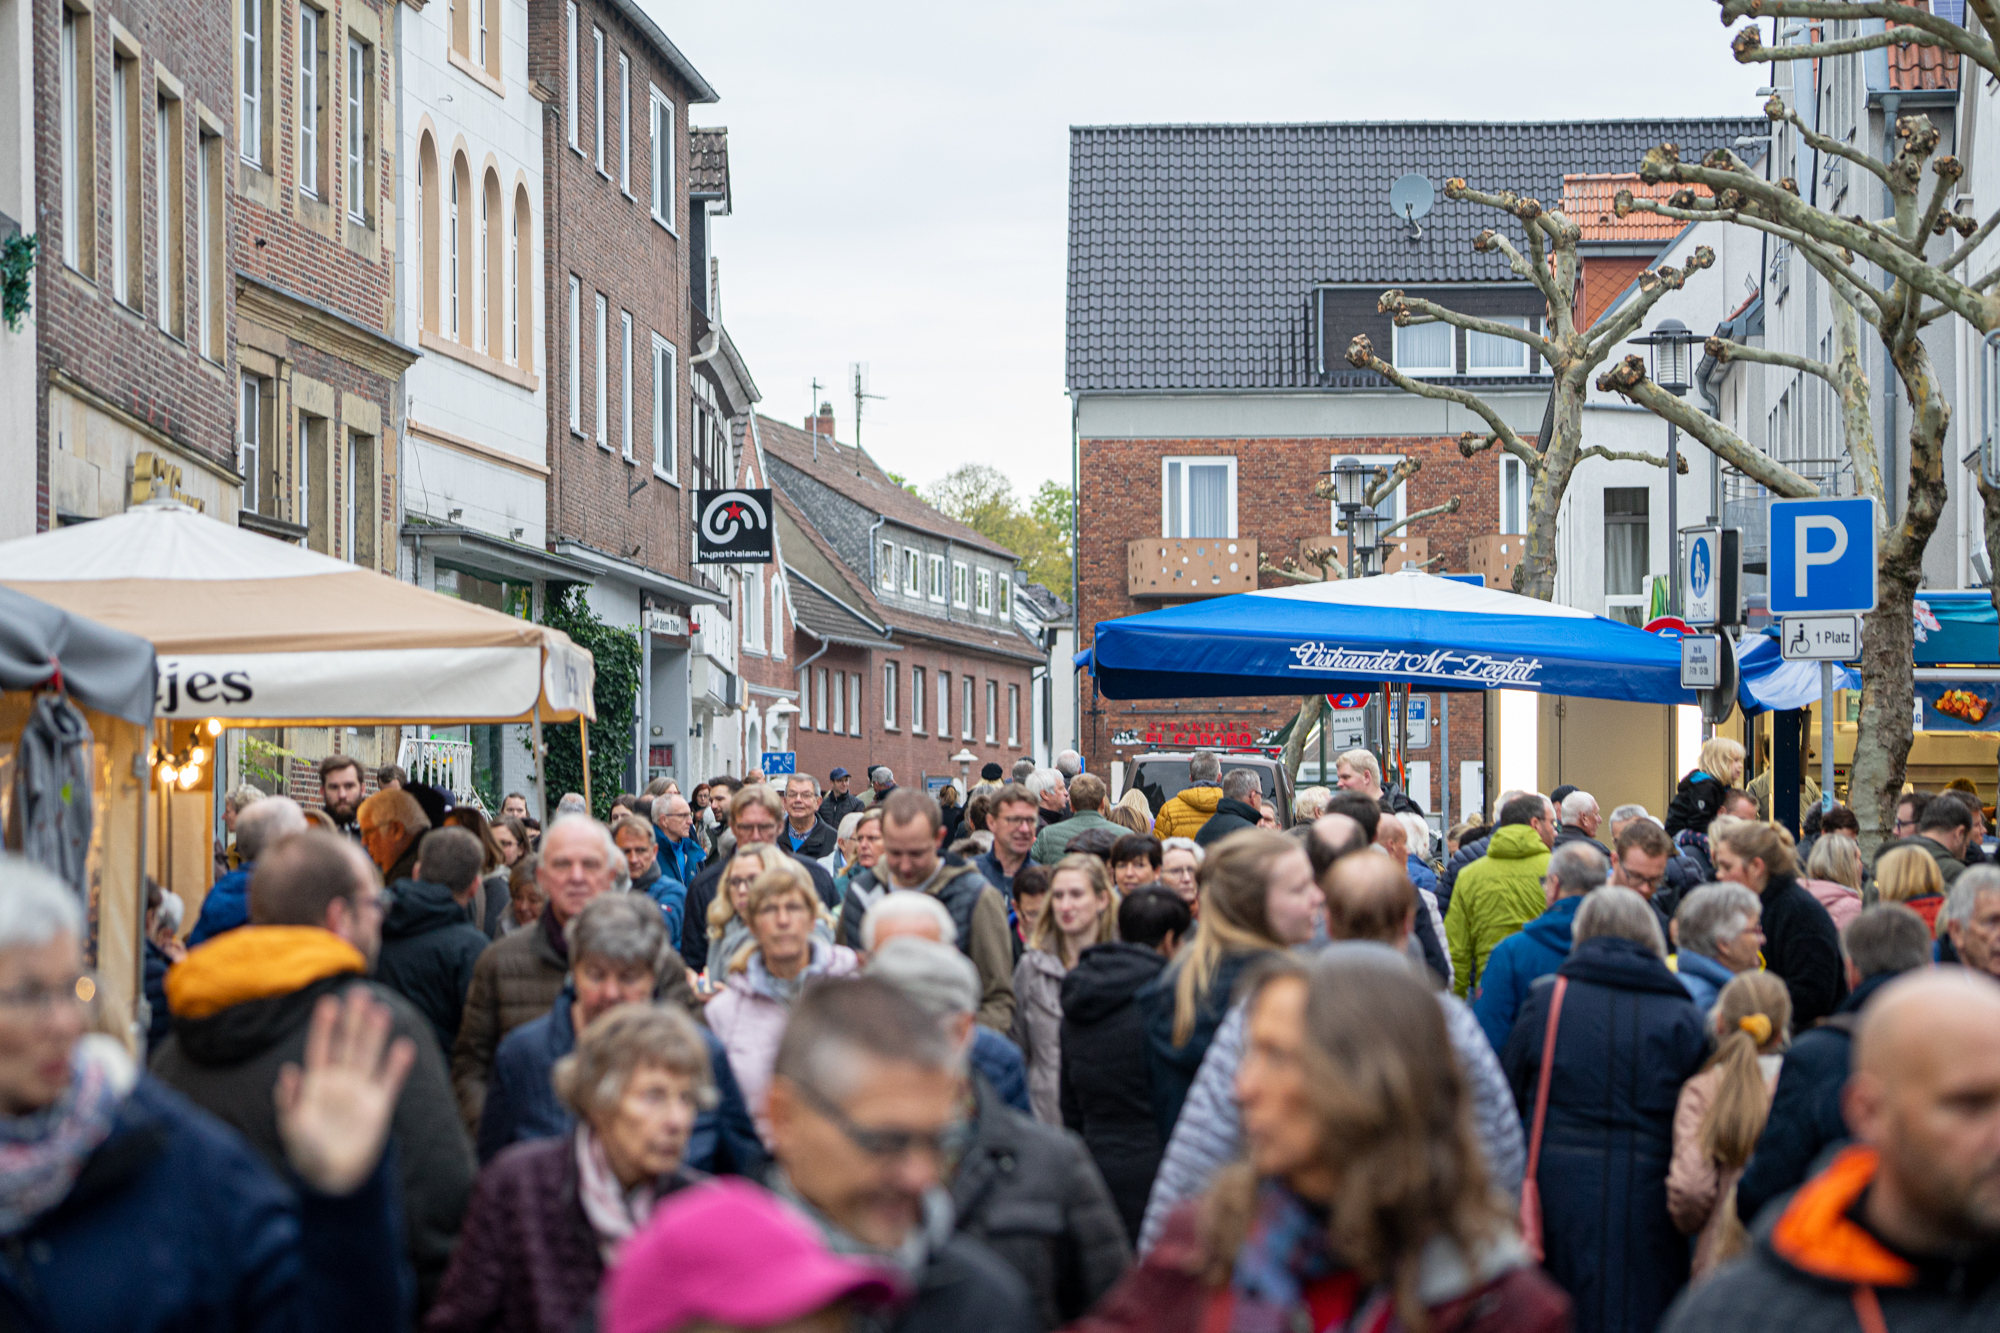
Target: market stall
column 76, row 703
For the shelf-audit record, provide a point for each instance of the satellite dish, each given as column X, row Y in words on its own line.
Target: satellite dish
column 1410, row 198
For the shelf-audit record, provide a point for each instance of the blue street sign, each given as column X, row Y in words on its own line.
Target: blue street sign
column 1822, row 556
column 780, row 762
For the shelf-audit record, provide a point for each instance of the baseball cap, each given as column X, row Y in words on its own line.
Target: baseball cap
column 728, row 1252
column 836, row 775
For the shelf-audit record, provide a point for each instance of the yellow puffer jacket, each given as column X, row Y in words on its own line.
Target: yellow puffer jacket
column 1183, row 816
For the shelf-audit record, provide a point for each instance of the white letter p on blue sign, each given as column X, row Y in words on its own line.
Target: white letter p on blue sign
column 1822, row 554
column 1807, row 525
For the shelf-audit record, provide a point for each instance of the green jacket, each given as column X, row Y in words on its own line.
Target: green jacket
column 1494, row 897
column 1053, row 842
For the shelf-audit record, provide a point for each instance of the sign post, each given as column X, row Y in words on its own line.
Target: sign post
column 1823, row 566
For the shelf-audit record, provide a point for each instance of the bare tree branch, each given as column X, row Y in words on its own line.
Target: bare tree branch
column 1361, row 354
column 1726, row 351
column 1450, row 506
column 1632, row 456
column 1824, row 261
column 1750, row 49
column 1948, row 170
column 1950, row 35
column 1472, row 442
column 1653, row 284
column 1404, row 307
column 1388, row 479
column 1776, row 110
column 1972, row 241
column 1628, row 378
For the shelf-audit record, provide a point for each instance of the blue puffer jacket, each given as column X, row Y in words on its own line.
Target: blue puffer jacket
column 226, row 907
column 521, row 1101
column 175, row 1224
column 1516, row 963
column 1703, row 977
column 1627, row 1039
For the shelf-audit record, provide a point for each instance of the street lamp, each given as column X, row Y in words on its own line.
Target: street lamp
column 1350, row 493
column 1670, row 353
column 779, row 717
column 965, row 759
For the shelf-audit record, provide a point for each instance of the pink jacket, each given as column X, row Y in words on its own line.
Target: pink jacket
column 1841, row 903
column 749, row 1019
column 1699, row 1192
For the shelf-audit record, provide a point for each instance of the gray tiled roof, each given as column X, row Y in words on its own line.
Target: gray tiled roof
column 1194, row 249
column 708, row 162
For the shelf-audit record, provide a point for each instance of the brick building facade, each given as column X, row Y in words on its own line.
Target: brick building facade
column 134, row 316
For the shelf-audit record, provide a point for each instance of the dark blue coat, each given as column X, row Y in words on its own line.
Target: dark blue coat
column 521, row 1101
column 1516, row 963
column 1627, row 1039
column 999, row 1060
column 177, row 1225
column 679, row 860
column 226, row 907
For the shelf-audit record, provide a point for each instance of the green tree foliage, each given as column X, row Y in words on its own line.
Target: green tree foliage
column 615, row 651
column 983, row 499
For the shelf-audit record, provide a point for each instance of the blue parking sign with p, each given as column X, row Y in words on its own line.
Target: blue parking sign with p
column 1822, row 556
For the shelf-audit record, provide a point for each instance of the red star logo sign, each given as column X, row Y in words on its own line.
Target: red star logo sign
column 734, row 511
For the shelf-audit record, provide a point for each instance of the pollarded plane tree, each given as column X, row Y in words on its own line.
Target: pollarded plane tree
column 1571, row 350
column 1898, row 274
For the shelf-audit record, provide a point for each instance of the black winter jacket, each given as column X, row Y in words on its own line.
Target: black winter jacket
column 228, row 1062
column 1107, row 1089
column 1029, row 1191
column 833, row 809
column 429, row 945
column 694, row 924
column 1805, row 1118
column 1229, row 816
column 820, row 840
column 1627, row 1038
column 1802, row 948
column 1696, row 803
column 1174, row 1067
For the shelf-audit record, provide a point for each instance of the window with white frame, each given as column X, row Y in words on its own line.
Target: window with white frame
column 360, row 130
column 1626, row 548
column 839, row 701
column 936, row 584
column 208, row 242
column 944, row 703
column 966, row 705
column 170, row 209
column 125, row 262
column 1003, row 591
column 983, row 594
column 912, row 572
column 889, row 696
column 1425, row 349
column 1014, row 716
column 250, row 73
column 777, row 617
column 854, row 704
column 1390, row 506
column 624, row 122
column 992, row 709
column 663, row 159
column 250, row 441
column 79, row 158
column 1198, row 496
column 575, row 354
column 959, row 576
column 917, row 701
column 602, row 403
column 1514, row 492
column 666, row 400
column 625, row 383
column 569, row 83
column 1497, row 354
column 819, row 699
column 753, row 612
column 311, row 113
column 597, row 36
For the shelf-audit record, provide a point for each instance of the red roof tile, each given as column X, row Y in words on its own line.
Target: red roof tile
column 1588, row 202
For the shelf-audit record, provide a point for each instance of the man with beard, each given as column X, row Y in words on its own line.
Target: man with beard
column 340, row 792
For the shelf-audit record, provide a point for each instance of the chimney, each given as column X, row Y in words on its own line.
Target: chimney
column 822, row 425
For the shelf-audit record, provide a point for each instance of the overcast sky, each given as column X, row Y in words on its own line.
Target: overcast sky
column 900, row 170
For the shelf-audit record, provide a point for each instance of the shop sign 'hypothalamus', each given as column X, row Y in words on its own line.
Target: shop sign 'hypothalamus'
column 1483, row 670
column 733, row 527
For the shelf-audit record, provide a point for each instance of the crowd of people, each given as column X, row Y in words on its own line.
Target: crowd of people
column 767, row 1056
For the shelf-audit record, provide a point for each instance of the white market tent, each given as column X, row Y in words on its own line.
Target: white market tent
column 257, row 632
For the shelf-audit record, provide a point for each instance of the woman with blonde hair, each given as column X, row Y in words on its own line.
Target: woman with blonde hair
column 1909, row 875
column 1082, row 910
column 1800, row 943
column 1833, row 876
column 728, row 923
column 1699, row 797
column 1257, row 895
column 1722, row 1111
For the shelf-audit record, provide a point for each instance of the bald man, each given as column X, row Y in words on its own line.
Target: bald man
column 1901, row 1230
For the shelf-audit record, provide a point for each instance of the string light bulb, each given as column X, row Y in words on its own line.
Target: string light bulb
column 214, row 726
column 189, row 776
column 198, row 755
column 168, row 773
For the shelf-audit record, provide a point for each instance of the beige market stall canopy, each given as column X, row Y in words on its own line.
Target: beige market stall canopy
column 258, row 632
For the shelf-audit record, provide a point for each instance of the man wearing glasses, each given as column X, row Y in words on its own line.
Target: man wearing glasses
column 864, row 1111
column 1640, row 864
column 755, row 814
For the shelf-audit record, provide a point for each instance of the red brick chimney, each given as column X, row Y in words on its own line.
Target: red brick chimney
column 822, row 425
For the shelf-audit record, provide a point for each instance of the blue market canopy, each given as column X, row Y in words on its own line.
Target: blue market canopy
column 1402, row 628
column 1766, row 680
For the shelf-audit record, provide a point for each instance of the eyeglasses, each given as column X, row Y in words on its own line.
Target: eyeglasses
column 42, row 1001
column 882, row 1142
column 1905, row 823
column 784, row 907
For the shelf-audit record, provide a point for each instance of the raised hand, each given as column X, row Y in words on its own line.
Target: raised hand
column 333, row 1115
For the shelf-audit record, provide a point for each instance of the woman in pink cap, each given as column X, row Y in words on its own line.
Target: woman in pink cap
column 728, row 1256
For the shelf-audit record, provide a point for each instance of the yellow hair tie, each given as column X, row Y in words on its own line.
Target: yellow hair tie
column 1757, row 1025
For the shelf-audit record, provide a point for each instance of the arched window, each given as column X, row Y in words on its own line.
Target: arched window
column 492, row 267
column 521, row 309
column 427, row 239
column 461, row 249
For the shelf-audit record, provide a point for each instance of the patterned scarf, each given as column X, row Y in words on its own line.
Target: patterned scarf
column 614, row 1213
column 42, row 1154
column 1285, row 1252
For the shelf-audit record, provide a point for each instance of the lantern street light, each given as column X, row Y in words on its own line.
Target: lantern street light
column 1350, row 493
column 965, row 758
column 1670, row 356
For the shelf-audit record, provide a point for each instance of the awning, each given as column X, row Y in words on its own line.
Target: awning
column 261, row 632
column 101, row 668
column 1403, row 628
column 1767, row 682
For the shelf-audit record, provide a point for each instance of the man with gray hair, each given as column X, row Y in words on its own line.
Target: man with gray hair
column 1971, row 918
column 1238, row 808
column 1578, row 821
column 867, row 1098
column 1051, row 789
column 1541, row 946
column 572, row 803
column 1022, row 767
column 1310, row 804
column 804, row 834
column 882, row 782
column 1623, row 816
column 992, row 1056
column 1069, row 763
column 1718, row 931
column 1183, row 814
column 1014, row 1166
column 680, row 851
column 261, row 824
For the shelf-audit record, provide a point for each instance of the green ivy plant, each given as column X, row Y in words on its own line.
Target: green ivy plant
column 17, row 267
column 615, row 651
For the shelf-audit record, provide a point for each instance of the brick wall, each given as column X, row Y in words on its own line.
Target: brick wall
column 611, row 244
column 85, row 335
column 1119, row 500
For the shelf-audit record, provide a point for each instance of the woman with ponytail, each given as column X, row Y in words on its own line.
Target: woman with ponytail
column 1722, row 1111
column 1257, row 895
